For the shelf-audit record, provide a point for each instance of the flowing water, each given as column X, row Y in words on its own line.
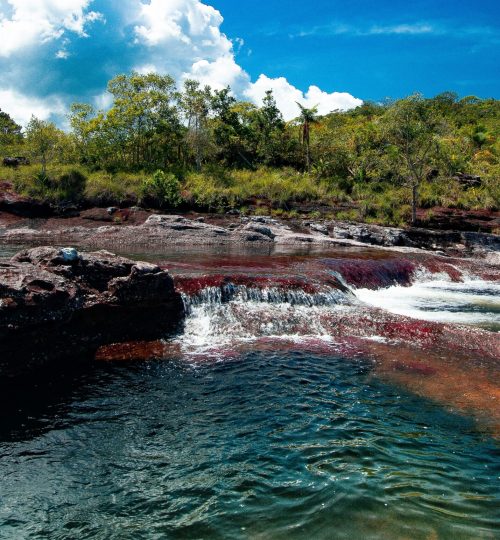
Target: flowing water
column 308, row 396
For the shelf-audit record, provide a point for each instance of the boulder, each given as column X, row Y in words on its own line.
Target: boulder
column 319, row 227
column 19, row 205
column 15, row 161
column 260, row 229
column 61, row 304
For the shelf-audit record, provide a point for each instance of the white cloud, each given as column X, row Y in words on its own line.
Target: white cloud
column 287, row 96
column 103, row 101
column 180, row 37
column 32, row 22
column 222, row 72
column 21, row 107
column 183, row 38
column 410, row 29
column 337, row 29
column 188, row 31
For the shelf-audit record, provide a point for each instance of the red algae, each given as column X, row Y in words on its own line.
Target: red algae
column 416, row 367
column 436, row 266
column 374, row 274
column 194, row 285
column 136, row 351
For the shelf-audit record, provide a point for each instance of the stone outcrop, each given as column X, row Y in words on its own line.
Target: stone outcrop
column 20, row 205
column 58, row 304
column 414, row 237
column 241, row 232
column 16, row 204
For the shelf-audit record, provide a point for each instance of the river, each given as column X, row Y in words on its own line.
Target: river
column 343, row 394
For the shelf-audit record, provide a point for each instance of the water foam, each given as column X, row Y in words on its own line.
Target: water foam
column 435, row 297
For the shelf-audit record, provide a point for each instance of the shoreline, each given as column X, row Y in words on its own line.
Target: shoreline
column 110, row 228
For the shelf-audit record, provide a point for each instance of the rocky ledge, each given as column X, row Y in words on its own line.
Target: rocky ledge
column 58, row 304
column 242, row 231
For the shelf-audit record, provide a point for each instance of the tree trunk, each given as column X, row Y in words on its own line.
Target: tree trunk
column 414, row 203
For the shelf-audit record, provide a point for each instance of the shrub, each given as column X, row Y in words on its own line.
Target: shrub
column 42, row 184
column 72, row 186
column 161, row 189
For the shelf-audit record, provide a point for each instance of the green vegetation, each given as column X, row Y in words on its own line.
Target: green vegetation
column 201, row 148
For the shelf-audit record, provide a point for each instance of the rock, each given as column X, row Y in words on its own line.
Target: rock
column 70, row 255
column 19, row 205
column 60, row 304
column 318, row 227
column 260, row 219
column 371, row 234
column 416, row 237
column 260, row 229
column 468, row 180
column 15, row 161
column 441, row 218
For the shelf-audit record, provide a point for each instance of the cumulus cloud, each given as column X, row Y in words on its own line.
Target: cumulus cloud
column 22, row 107
column 56, row 56
column 287, row 96
column 32, row 22
column 183, row 37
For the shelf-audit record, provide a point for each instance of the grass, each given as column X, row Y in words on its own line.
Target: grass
column 266, row 191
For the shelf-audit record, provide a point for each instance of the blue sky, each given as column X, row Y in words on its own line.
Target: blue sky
column 327, row 53
column 371, row 49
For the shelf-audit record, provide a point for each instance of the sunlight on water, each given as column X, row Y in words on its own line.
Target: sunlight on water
column 287, row 408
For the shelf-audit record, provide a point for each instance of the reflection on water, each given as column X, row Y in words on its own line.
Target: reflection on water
column 274, row 445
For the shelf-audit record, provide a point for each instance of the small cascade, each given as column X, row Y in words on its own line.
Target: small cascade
column 444, row 296
column 270, row 295
column 220, row 316
column 329, row 300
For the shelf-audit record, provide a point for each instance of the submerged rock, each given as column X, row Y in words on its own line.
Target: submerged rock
column 58, row 303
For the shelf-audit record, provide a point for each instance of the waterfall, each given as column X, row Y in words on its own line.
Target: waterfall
column 228, row 314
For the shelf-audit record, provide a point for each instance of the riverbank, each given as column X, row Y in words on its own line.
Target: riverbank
column 115, row 228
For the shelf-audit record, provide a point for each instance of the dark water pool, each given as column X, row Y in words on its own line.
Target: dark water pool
column 270, row 445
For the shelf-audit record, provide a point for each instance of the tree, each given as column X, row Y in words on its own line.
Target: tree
column 42, row 139
column 232, row 128
column 142, row 129
column 144, row 120
column 195, row 103
column 411, row 129
column 10, row 132
column 307, row 117
column 270, row 128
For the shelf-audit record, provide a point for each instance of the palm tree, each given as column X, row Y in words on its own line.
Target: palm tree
column 307, row 117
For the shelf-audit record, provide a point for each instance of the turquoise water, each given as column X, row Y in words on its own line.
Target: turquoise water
column 267, row 445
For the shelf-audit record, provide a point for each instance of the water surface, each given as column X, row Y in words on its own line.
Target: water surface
column 271, row 445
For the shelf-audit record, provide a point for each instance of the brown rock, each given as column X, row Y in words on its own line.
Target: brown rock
column 60, row 303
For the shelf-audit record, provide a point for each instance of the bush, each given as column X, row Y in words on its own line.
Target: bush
column 42, row 184
column 161, row 189
column 72, row 186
